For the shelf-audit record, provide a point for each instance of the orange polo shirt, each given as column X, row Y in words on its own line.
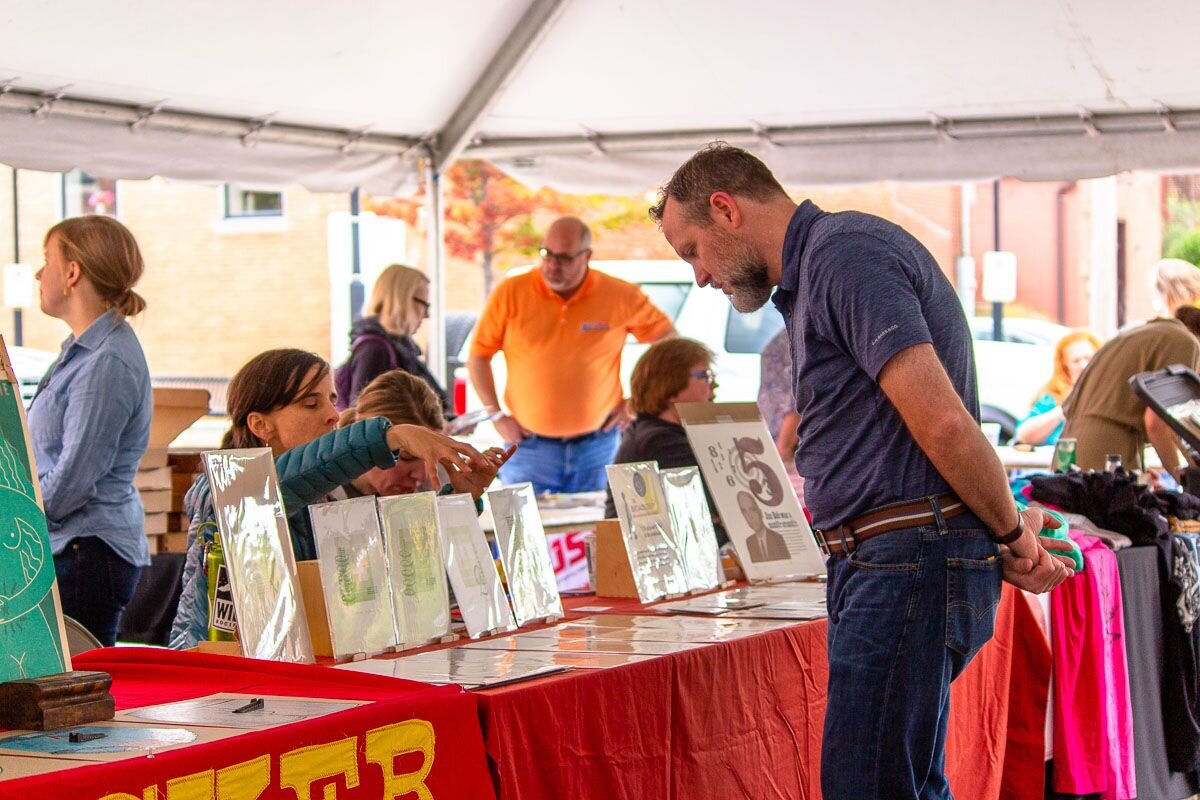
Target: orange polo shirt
column 564, row 356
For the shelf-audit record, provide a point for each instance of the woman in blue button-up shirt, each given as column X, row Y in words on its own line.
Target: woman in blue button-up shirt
column 90, row 420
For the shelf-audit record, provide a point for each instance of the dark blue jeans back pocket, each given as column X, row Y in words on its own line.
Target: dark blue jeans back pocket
column 972, row 594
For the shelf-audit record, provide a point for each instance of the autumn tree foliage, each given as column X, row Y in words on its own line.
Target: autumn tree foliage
column 494, row 220
column 489, row 213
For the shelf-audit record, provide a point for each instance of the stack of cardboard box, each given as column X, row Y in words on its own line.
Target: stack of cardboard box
column 174, row 411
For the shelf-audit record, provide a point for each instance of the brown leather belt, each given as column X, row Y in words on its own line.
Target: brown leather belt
column 847, row 537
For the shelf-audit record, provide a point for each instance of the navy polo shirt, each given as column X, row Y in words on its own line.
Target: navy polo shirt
column 855, row 291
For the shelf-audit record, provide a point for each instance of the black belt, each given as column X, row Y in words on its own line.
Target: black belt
column 847, row 537
column 568, row 439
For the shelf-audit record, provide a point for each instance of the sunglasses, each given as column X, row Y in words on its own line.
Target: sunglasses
column 562, row 259
column 424, row 305
column 707, row 375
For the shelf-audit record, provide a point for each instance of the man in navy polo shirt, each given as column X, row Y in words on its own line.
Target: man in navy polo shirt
column 912, row 500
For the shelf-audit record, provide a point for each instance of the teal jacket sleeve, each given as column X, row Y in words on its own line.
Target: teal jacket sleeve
column 310, row 472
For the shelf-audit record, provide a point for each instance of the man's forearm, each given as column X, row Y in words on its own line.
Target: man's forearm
column 480, row 371
column 965, row 459
column 1164, row 440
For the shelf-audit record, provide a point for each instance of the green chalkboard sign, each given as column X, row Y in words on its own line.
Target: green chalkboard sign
column 31, row 629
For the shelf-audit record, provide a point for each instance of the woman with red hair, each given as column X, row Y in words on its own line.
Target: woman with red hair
column 1044, row 422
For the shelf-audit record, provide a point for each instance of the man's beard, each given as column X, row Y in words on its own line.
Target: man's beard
column 747, row 278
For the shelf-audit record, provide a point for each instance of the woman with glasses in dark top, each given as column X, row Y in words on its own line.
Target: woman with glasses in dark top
column 382, row 340
column 672, row 371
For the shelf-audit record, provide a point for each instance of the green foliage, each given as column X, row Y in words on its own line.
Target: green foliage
column 1187, row 247
column 1181, row 226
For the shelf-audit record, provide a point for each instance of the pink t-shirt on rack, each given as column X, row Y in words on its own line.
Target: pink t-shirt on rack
column 1093, row 720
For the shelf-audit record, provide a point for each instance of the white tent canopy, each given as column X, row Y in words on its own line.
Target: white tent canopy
column 598, row 94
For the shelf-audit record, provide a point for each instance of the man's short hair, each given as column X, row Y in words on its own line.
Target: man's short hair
column 662, row 372
column 719, row 167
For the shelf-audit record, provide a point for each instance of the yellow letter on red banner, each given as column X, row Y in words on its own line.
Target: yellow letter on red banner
column 300, row 768
column 385, row 744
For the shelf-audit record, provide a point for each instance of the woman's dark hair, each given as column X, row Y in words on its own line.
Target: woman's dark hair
column 268, row 381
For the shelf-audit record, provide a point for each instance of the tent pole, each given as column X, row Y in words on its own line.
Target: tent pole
column 18, row 321
column 434, row 201
column 997, row 308
column 357, row 291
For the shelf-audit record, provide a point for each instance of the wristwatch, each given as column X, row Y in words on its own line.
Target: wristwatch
column 1015, row 533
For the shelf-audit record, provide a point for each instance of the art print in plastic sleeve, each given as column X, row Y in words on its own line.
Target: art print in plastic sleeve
column 525, row 554
column 354, row 577
column 688, row 507
column 31, row 623
column 471, row 568
column 258, row 555
column 751, row 490
column 416, row 567
column 654, row 553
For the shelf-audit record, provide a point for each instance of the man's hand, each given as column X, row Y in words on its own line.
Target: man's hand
column 618, row 418
column 511, row 431
column 1029, row 563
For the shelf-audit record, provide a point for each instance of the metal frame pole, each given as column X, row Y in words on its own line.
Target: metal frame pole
column 357, row 290
column 18, row 315
column 997, row 308
column 434, row 203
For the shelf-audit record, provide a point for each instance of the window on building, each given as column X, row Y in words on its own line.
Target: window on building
column 83, row 194
column 242, row 202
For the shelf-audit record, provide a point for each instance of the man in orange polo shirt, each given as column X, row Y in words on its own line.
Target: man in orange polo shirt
column 562, row 328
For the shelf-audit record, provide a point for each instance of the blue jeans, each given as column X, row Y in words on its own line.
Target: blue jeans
column 95, row 585
column 557, row 465
column 908, row 611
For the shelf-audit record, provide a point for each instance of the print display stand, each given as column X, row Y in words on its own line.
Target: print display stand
column 525, row 555
column 39, row 690
column 651, row 542
column 614, row 576
column 416, row 570
column 758, row 507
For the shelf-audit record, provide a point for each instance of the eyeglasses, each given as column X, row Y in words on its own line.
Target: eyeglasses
column 424, row 305
column 562, row 259
column 706, row 375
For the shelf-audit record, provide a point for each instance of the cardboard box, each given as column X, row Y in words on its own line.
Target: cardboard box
column 150, row 479
column 154, row 500
column 220, row 648
column 614, row 577
column 156, row 523
column 314, row 608
column 172, row 542
column 154, row 458
column 182, row 481
column 174, row 411
column 191, row 462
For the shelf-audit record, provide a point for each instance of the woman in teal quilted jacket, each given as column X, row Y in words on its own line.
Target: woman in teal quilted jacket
column 284, row 399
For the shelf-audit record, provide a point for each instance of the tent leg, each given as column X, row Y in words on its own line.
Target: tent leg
column 18, row 320
column 437, row 277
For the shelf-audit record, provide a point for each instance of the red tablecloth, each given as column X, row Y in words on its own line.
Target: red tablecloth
column 408, row 727
column 742, row 719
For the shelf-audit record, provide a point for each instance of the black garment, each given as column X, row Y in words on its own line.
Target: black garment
column 649, row 438
column 1144, row 645
column 382, row 351
column 1116, row 502
column 147, row 619
column 1181, row 650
